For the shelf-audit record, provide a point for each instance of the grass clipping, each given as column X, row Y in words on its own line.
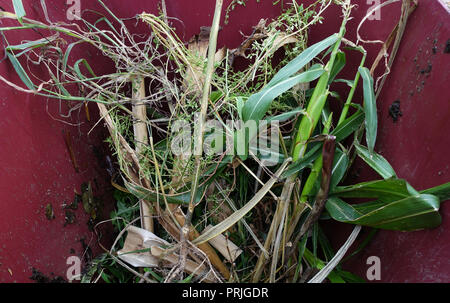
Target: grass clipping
column 258, row 218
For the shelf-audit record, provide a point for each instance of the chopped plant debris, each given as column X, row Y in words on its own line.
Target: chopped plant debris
column 426, row 70
column 69, row 218
column 39, row 277
column 267, row 200
column 74, row 204
column 49, row 212
column 394, row 110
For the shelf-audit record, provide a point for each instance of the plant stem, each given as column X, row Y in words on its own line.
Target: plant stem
column 305, row 129
column 198, row 146
column 141, row 139
column 317, row 101
column 322, row 195
column 352, row 91
column 317, row 166
column 316, row 169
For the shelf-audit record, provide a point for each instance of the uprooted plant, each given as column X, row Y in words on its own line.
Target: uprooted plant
column 241, row 210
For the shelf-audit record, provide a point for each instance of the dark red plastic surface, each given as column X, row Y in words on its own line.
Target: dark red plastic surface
column 36, row 168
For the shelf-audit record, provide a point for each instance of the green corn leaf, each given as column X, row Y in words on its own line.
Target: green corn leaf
column 385, row 190
column 335, row 95
column 13, row 28
column 376, row 161
column 407, row 214
column 326, row 115
column 340, row 165
column 441, row 191
column 301, row 60
column 286, row 116
column 239, row 104
column 348, row 126
column 242, row 139
column 329, row 51
column 370, row 108
column 338, row 65
column 269, row 156
column 396, row 206
column 257, row 105
column 350, row 83
column 309, row 122
column 306, row 161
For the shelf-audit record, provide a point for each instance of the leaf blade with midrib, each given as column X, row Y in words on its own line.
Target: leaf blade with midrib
column 370, row 108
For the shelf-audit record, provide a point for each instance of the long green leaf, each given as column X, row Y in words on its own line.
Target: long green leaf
column 20, row 71
column 286, row 116
column 30, row 45
column 407, row 214
column 349, row 83
column 348, row 126
column 308, row 122
column 301, row 60
column 338, row 65
column 257, row 105
column 240, row 105
column 385, row 190
column 370, row 108
column 376, row 161
column 441, row 191
column 340, row 165
column 306, row 161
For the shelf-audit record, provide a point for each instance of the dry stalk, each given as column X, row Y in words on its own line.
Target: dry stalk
column 198, row 148
column 408, row 7
column 141, row 139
